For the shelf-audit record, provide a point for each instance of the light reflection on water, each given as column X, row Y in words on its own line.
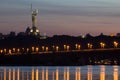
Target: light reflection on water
column 60, row 73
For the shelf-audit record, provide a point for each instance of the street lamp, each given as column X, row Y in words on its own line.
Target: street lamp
column 46, row 49
column 37, row 49
column 76, row 46
column 10, row 51
column 68, row 47
column 5, row 50
column 57, row 48
column 102, row 45
column 89, row 46
column 18, row 50
column 53, row 48
column 79, row 47
column 65, row 47
column 1, row 51
column 115, row 44
column 43, row 48
column 27, row 50
column 14, row 50
column 33, row 49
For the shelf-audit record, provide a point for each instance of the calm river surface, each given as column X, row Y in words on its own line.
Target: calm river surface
column 60, row 73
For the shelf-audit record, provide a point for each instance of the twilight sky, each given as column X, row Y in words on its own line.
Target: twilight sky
column 69, row 17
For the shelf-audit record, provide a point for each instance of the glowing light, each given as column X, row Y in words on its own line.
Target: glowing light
column 1, row 51
column 31, row 30
column 10, row 51
column 43, row 48
column 13, row 49
column 52, row 75
column 102, row 45
column 89, row 45
column 57, row 74
column 57, row 48
column 37, row 30
column 37, row 73
column 13, row 74
column 37, row 49
column 5, row 50
column 18, row 74
column 77, row 46
column 64, row 47
column 68, row 47
column 115, row 73
column 9, row 74
column 32, row 74
column 42, row 74
column 77, row 74
column 102, row 73
column 89, row 73
column 27, row 49
column 46, row 48
column 65, row 76
column 46, row 74
column 4, row 74
column 68, row 74
column 18, row 50
column 33, row 49
column 115, row 44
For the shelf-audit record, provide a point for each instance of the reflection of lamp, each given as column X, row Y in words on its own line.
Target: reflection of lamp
column 32, row 74
column 43, row 74
column 77, row 74
column 102, row 73
column 115, row 73
column 89, row 73
column 37, row 74
column 4, row 73
column 18, row 74
column 57, row 74
column 9, row 74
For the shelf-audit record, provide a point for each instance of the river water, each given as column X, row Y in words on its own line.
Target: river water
column 60, row 73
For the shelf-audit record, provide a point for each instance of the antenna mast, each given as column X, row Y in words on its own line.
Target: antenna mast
column 31, row 8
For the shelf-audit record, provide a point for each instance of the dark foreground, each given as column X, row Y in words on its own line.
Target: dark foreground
column 104, row 57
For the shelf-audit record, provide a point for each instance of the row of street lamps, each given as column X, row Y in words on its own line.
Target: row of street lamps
column 53, row 48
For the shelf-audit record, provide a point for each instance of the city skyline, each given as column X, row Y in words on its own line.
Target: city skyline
column 62, row 17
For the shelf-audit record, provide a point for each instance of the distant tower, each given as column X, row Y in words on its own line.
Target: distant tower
column 34, row 30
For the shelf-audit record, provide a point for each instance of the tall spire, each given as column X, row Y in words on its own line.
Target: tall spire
column 31, row 8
